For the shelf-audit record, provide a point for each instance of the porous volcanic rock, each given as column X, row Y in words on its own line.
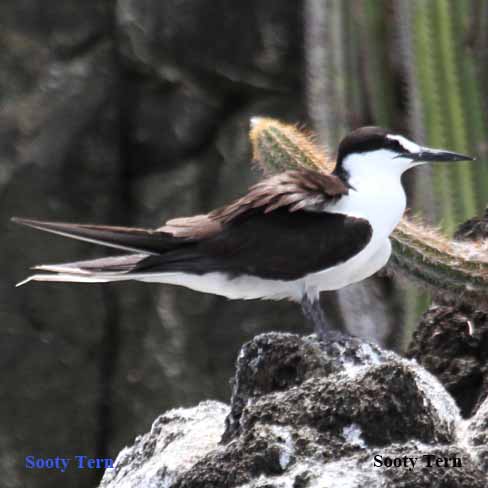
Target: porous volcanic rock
column 475, row 434
column 473, row 229
column 452, row 343
column 177, row 440
column 308, row 414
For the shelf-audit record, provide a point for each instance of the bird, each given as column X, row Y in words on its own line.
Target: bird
column 293, row 235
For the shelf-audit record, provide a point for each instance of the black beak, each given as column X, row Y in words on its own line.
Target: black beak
column 427, row 155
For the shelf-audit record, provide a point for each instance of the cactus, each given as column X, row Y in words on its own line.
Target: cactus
column 457, row 271
column 378, row 76
column 445, row 102
column 327, row 76
column 277, row 147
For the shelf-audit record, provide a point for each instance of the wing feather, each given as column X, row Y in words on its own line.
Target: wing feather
column 125, row 238
column 295, row 190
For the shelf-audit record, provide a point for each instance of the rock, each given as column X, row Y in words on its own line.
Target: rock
column 451, row 343
column 475, row 435
column 358, row 471
column 473, row 229
column 67, row 100
column 276, row 362
column 308, row 414
column 372, row 401
column 177, row 441
column 171, row 123
column 256, row 45
column 456, row 467
column 65, row 27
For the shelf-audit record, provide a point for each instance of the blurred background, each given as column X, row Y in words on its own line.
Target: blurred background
column 130, row 112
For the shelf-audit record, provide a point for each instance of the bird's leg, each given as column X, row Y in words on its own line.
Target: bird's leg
column 315, row 315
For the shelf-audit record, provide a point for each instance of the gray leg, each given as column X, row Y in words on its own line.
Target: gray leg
column 315, row 315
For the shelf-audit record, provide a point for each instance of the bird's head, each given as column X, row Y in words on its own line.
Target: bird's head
column 374, row 151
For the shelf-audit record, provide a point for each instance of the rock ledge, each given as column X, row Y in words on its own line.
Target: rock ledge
column 304, row 414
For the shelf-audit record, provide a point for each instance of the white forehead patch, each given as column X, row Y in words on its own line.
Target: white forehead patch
column 404, row 142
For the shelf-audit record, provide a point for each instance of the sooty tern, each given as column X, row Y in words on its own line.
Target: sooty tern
column 293, row 234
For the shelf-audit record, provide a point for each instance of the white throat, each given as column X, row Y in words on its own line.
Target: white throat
column 377, row 193
column 379, row 165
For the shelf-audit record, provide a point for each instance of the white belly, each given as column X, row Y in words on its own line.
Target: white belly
column 365, row 264
column 247, row 287
column 382, row 203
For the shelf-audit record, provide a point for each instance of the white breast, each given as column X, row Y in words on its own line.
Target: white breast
column 381, row 202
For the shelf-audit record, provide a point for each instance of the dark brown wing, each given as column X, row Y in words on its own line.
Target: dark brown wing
column 279, row 245
column 294, row 190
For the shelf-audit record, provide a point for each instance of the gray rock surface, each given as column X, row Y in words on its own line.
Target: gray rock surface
column 253, row 44
column 450, row 342
column 475, row 434
column 179, row 438
column 308, row 414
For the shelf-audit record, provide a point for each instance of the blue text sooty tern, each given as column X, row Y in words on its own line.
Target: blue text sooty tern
column 291, row 236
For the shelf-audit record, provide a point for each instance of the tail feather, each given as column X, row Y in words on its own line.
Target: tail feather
column 147, row 241
column 70, row 278
column 102, row 270
column 112, row 264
